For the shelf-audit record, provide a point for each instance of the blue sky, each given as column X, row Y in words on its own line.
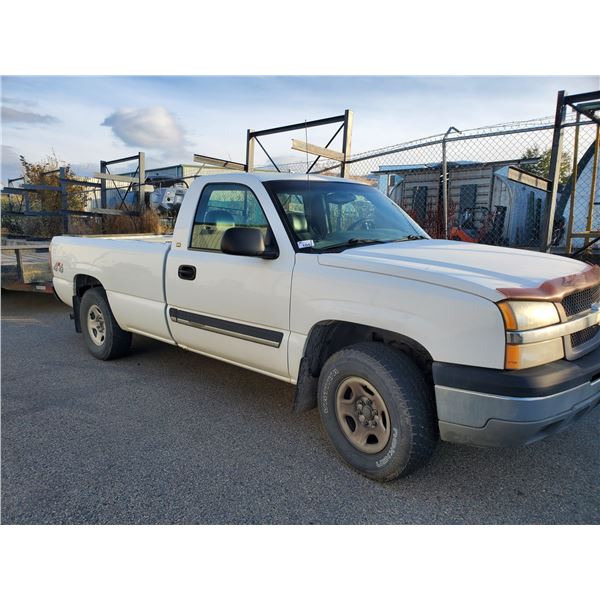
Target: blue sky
column 86, row 119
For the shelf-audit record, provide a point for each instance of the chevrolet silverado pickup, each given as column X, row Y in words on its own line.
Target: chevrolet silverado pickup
column 325, row 283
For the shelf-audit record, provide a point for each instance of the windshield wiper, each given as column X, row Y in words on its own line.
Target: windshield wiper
column 352, row 242
column 408, row 238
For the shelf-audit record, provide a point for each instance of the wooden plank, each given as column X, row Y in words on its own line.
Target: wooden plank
column 110, row 177
column 364, row 180
column 533, row 181
column 583, row 234
column 317, row 150
column 82, row 182
column 217, row 162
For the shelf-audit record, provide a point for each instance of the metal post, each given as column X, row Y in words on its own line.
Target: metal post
column 103, row 169
column 141, row 180
column 64, row 200
column 554, row 174
column 249, row 151
column 445, row 180
column 590, row 219
column 346, row 141
column 445, row 187
column 569, row 247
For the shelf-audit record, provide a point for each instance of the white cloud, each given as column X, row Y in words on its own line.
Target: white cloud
column 17, row 101
column 153, row 127
column 13, row 115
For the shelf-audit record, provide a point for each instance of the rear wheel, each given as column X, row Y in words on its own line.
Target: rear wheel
column 377, row 410
column 103, row 337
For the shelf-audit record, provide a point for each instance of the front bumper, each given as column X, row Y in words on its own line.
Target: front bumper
column 488, row 407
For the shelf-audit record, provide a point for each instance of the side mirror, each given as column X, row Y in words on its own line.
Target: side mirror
column 246, row 241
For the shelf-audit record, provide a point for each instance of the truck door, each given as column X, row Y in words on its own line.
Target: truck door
column 231, row 307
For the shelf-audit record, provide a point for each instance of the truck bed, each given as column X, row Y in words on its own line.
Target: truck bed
column 129, row 267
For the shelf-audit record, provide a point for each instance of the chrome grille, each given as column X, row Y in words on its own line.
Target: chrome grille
column 580, row 301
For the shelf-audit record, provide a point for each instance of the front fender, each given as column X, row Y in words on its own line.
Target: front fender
column 452, row 325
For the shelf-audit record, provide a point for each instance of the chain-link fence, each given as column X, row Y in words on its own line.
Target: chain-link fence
column 487, row 185
column 496, row 181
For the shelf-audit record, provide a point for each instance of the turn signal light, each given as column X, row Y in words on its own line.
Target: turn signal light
column 523, row 356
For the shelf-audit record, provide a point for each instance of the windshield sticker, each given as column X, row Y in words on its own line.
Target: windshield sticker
column 306, row 244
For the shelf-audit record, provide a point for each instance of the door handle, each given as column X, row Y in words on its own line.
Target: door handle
column 186, row 272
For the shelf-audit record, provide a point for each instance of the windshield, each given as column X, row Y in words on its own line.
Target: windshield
column 335, row 215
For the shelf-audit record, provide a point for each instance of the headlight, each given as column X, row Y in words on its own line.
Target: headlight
column 522, row 315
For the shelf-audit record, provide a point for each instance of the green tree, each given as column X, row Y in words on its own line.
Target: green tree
column 541, row 167
column 46, row 172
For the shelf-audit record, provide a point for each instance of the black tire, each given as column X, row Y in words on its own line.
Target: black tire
column 114, row 342
column 407, row 396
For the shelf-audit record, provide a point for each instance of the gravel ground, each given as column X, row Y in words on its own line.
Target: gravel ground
column 168, row 436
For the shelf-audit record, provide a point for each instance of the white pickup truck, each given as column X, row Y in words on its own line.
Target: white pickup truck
column 327, row 284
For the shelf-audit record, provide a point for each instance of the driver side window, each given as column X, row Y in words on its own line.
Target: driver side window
column 221, row 207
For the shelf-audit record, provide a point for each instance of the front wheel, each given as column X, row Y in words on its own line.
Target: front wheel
column 377, row 410
column 103, row 337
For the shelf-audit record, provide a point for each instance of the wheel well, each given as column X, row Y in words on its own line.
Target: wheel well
column 83, row 283
column 326, row 338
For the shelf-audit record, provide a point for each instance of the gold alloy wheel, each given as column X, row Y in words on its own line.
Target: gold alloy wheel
column 362, row 415
column 95, row 324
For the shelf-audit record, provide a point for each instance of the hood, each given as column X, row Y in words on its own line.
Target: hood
column 472, row 268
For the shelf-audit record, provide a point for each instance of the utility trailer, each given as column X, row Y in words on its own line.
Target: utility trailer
column 26, row 266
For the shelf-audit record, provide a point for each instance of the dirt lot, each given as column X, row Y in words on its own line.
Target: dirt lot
column 167, row 436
